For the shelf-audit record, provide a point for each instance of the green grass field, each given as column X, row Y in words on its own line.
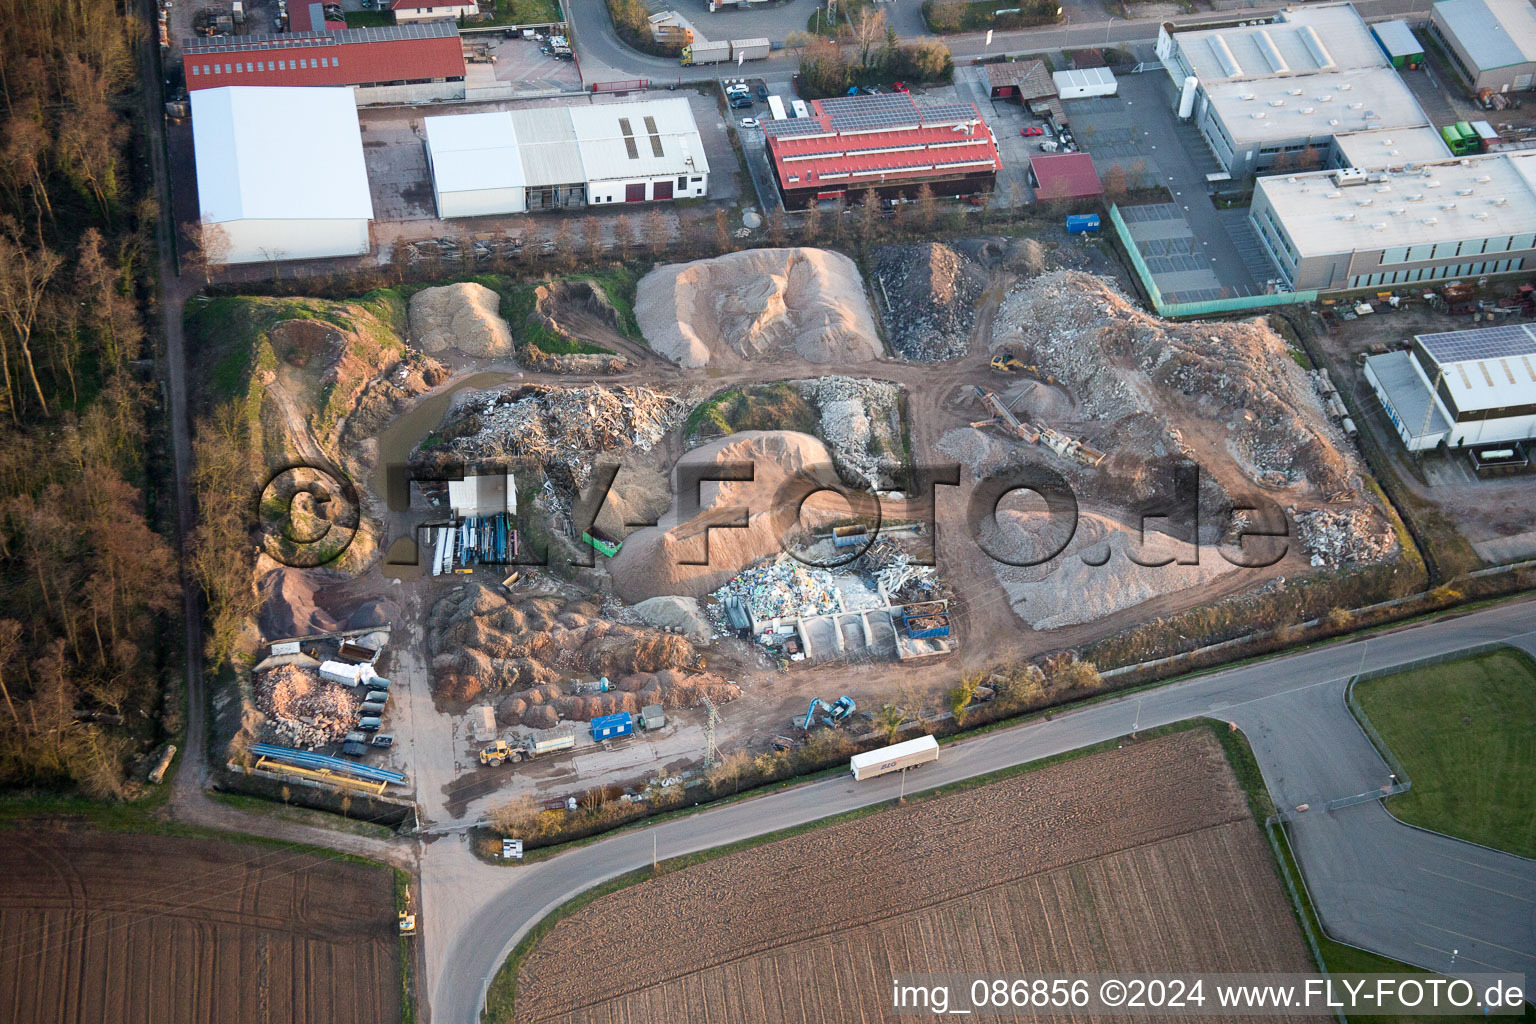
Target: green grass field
column 1465, row 732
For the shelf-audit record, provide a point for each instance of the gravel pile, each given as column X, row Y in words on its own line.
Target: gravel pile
column 1338, row 537
column 928, row 293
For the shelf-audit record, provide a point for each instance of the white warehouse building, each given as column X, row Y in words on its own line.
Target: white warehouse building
column 1460, row 388
column 280, row 173
column 515, row 161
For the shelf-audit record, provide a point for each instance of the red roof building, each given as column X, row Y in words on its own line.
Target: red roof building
column 393, row 55
column 1064, row 176
column 887, row 142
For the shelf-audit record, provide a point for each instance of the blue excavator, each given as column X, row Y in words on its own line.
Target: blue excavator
column 831, row 714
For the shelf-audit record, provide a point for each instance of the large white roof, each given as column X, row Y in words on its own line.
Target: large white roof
column 1301, row 41
column 644, row 139
column 1392, row 147
column 1477, row 197
column 1315, row 106
column 279, row 153
column 1495, row 33
column 474, row 151
column 1486, row 368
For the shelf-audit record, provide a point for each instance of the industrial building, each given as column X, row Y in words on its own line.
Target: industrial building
column 393, row 64
column 1352, row 228
column 1399, row 43
column 888, row 142
column 1063, row 176
column 544, row 158
column 280, row 174
column 1383, row 148
column 1273, row 94
column 407, row 11
column 1460, row 388
column 1026, row 82
column 1491, row 43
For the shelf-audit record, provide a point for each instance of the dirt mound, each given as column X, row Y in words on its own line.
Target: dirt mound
column 929, row 293
column 652, row 561
column 1129, row 370
column 464, row 316
column 291, row 603
column 680, row 613
column 581, row 300
column 739, row 307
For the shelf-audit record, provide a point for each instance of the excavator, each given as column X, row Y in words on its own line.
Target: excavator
column 833, row 714
column 1006, row 362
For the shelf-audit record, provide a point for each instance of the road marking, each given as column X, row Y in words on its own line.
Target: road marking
column 1460, row 956
column 1496, row 871
column 1474, row 938
column 1485, row 888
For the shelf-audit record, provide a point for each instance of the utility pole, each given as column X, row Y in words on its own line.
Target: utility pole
column 711, row 718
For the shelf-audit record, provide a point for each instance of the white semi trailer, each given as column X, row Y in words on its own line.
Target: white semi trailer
column 894, row 758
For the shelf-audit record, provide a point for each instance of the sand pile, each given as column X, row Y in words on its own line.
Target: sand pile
column 652, row 561
column 302, row 709
column 464, row 316
column 741, row 306
column 1127, row 369
column 1068, row 590
column 930, row 293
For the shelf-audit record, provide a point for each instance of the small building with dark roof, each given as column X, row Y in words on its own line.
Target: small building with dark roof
column 1061, row 176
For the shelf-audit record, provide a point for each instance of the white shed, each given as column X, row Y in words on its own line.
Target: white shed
column 475, row 164
column 1085, row 82
column 280, row 173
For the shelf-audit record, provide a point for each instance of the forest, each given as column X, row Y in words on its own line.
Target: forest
column 90, row 583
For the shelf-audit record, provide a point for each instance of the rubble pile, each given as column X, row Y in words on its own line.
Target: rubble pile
column 1336, row 537
column 1125, row 367
column 928, row 293
column 303, row 710
column 464, row 316
column 783, row 588
column 860, row 422
column 566, row 428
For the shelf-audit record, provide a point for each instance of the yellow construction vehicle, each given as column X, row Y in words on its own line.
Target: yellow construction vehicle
column 1005, row 362
column 407, row 917
column 498, row 752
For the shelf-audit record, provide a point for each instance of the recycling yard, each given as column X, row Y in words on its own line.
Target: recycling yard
column 717, row 521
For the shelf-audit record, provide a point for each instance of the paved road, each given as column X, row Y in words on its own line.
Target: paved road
column 603, row 57
column 1377, row 883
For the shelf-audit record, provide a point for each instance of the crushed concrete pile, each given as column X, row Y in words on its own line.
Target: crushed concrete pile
column 783, row 588
column 861, row 423
column 1336, row 537
column 303, row 710
column 1094, row 576
column 680, row 614
column 464, row 316
column 1126, row 368
column 483, row 641
column 565, row 428
column 928, row 293
column 742, row 307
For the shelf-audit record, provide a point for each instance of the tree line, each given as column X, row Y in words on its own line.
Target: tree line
column 862, row 50
column 87, row 581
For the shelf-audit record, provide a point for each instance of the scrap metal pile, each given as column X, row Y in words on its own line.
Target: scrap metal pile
column 783, row 588
column 302, row 709
column 566, row 428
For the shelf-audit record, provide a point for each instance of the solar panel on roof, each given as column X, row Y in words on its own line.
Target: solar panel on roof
column 1481, row 343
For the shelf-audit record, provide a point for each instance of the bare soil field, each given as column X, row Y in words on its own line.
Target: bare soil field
column 1142, row 858
column 106, row 927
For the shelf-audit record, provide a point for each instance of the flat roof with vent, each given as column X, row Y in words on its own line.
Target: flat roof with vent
column 649, row 138
column 1380, row 148
column 1318, row 106
column 1473, row 198
column 1301, row 41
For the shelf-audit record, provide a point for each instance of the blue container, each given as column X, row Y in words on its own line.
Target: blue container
column 1079, row 223
column 609, row 726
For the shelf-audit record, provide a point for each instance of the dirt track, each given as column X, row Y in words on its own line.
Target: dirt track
column 106, row 927
column 1142, row 858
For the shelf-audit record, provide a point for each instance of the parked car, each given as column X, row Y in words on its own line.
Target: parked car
column 737, row 89
column 749, row 122
column 762, row 93
column 900, row 87
column 1030, row 131
column 741, row 102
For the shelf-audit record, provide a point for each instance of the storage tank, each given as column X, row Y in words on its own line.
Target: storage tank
column 1187, row 97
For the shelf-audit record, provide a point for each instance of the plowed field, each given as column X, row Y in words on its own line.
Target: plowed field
column 1139, row 859
column 105, row 928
